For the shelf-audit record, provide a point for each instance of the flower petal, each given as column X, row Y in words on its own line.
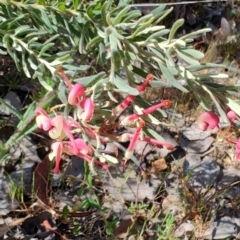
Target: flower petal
column 40, row 111
column 88, row 107
column 43, row 122
column 82, row 146
column 76, row 92
column 57, row 132
column 232, row 116
column 208, row 119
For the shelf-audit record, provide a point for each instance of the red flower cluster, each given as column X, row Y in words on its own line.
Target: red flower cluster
column 61, row 128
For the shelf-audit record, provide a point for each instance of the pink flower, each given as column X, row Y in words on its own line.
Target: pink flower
column 56, row 153
column 57, row 132
column 208, row 119
column 87, row 109
column 232, row 116
column 128, row 120
column 76, row 92
column 82, row 147
column 43, row 120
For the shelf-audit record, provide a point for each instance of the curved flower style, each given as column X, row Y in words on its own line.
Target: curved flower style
column 208, row 119
column 57, row 149
column 86, row 110
column 76, row 92
column 128, row 120
column 232, row 116
column 65, row 78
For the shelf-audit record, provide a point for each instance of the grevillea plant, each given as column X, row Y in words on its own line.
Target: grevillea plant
column 106, row 47
column 89, row 138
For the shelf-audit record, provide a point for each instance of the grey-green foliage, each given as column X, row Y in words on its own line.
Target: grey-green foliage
column 117, row 41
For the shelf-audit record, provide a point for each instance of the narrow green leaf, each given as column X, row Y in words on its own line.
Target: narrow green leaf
column 11, row 109
column 25, row 29
column 62, row 7
column 193, row 34
column 204, row 103
column 120, row 15
column 158, row 11
column 163, row 15
column 186, row 58
column 42, row 81
column 169, row 62
column 25, row 65
column 31, row 63
column 148, row 30
column 233, row 105
column 113, row 42
column 122, row 85
column 93, row 42
column 16, row 19
column 192, row 52
column 62, row 93
column 90, row 80
column 46, row 20
column 45, row 48
column 76, row 4
column 206, row 76
column 144, row 19
column 142, row 27
column 158, row 34
column 131, row 15
column 76, row 68
column 174, row 28
column 219, row 108
column 60, row 60
column 185, row 73
column 104, row 10
column 108, row 158
column 153, row 134
column 199, row 67
column 140, row 72
column 36, row 34
column 52, row 39
column 170, row 78
column 116, row 57
column 108, row 19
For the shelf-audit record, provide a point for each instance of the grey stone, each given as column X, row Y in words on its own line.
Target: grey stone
column 202, row 173
column 128, row 186
column 222, row 228
column 193, row 133
column 197, row 146
column 12, row 99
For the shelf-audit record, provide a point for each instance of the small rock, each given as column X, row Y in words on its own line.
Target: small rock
column 228, row 177
column 184, row 229
column 128, row 185
column 223, row 228
column 193, row 133
column 202, row 173
column 197, row 146
column 75, row 167
column 12, row 99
